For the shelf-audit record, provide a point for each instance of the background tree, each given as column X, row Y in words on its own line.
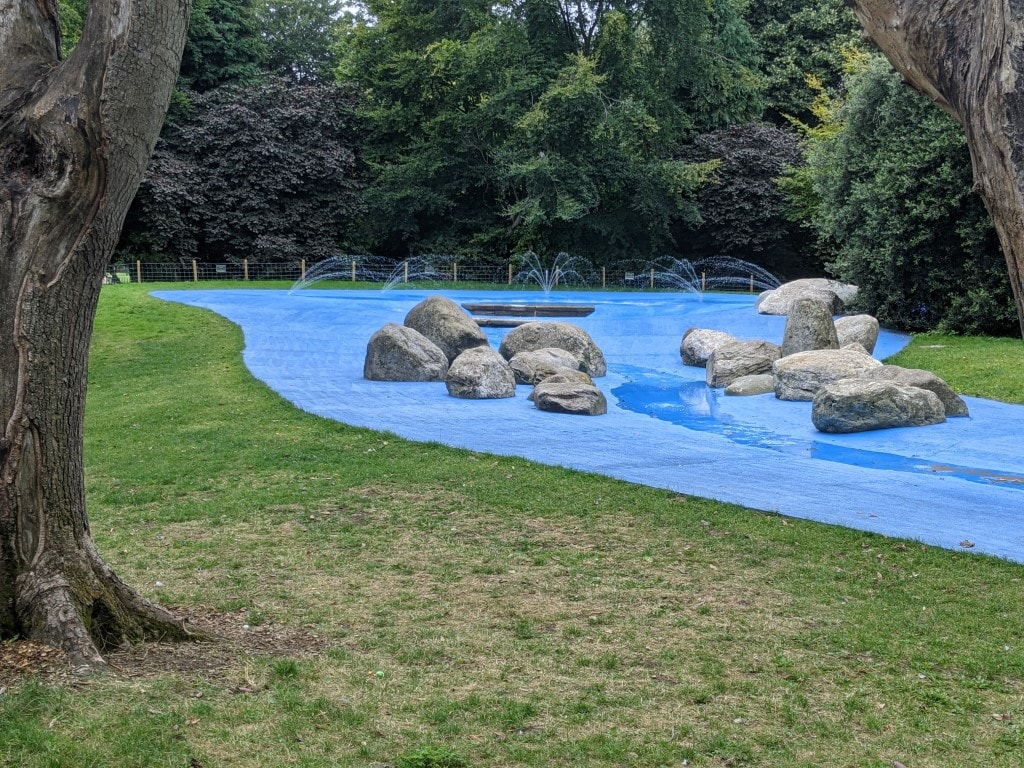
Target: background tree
column 75, row 138
column 267, row 172
column 797, row 39
column 895, row 207
column 465, row 101
column 743, row 211
column 974, row 71
column 224, row 45
column 301, row 36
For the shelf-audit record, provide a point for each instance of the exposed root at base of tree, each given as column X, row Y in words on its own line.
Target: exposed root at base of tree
column 227, row 641
column 87, row 610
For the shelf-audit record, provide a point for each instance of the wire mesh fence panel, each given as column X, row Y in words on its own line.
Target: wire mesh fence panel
column 449, row 271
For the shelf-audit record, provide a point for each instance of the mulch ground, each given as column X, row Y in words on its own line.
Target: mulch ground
column 229, row 642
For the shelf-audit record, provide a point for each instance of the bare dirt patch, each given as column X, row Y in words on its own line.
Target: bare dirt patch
column 228, row 641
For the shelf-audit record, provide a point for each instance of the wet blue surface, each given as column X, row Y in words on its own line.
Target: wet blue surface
column 694, row 405
column 941, row 484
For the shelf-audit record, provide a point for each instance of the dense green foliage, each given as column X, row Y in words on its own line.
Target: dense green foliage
column 223, row 45
column 265, row 172
column 743, row 211
column 801, row 43
column 896, row 207
column 532, row 125
column 72, row 17
column 300, row 37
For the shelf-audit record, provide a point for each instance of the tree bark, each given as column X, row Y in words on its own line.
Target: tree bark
column 75, row 137
column 968, row 55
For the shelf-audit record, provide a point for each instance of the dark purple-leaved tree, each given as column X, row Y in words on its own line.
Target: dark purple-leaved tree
column 75, row 136
column 968, row 55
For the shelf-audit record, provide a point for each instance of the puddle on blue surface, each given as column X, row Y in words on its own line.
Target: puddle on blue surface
column 694, row 405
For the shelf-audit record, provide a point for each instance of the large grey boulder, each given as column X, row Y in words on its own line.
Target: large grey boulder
column 759, row 384
column 860, row 329
column 698, row 344
column 833, row 293
column 740, row 358
column 447, row 325
column 570, row 397
column 480, row 373
column 859, row 405
column 952, row 403
column 573, row 339
column 809, row 326
column 799, row 376
column 397, row 353
column 537, row 365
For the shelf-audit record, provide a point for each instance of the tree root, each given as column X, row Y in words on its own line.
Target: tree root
column 92, row 612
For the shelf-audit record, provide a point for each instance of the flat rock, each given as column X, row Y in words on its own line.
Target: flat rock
column 809, row 325
column 565, row 376
column 833, row 293
column 534, row 366
column 698, row 344
column 740, row 358
column 952, row 403
column 480, row 373
column 445, row 323
column 860, row 405
column 759, row 384
column 799, row 376
column 573, row 339
column 861, row 329
column 570, row 397
column 397, row 353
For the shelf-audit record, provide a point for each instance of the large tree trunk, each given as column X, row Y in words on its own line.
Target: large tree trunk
column 75, row 137
column 968, row 55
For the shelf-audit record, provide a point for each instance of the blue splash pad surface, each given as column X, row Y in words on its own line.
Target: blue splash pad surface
column 943, row 484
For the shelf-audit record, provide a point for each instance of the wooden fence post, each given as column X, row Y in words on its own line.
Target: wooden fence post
column 652, row 279
column 302, row 270
column 195, row 272
column 138, row 271
column 353, row 270
column 245, row 269
column 604, row 277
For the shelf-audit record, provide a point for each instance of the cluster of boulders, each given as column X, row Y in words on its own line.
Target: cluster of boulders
column 824, row 360
column 438, row 341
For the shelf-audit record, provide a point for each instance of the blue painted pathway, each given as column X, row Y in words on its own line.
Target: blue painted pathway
column 942, row 485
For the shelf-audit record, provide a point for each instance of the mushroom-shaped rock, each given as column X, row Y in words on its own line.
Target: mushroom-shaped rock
column 570, row 397
column 833, row 293
column 740, row 358
column 759, row 384
column 397, row 353
column 809, row 326
column 862, row 329
column 571, row 338
column 801, row 375
column 952, row 403
column 537, row 365
column 859, row 405
column 480, row 373
column 446, row 324
column 698, row 344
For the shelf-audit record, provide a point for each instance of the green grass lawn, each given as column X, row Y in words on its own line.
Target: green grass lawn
column 463, row 609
